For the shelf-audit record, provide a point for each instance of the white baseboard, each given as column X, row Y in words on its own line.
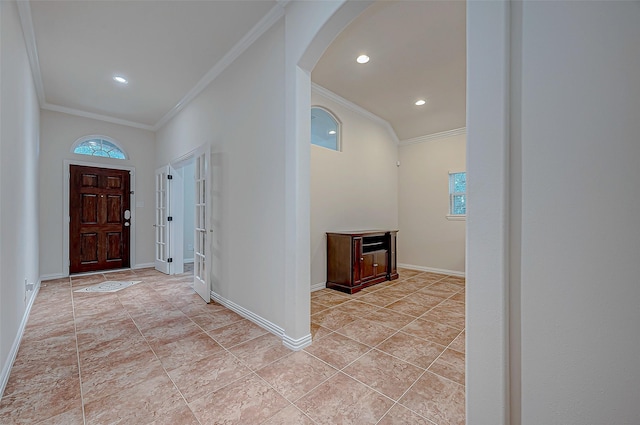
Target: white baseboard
column 432, row 270
column 292, row 344
column 187, row 261
column 143, row 266
column 296, row 344
column 52, row 276
column 258, row 320
column 6, row 368
column 318, row 286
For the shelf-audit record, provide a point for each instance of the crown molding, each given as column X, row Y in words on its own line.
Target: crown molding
column 85, row 114
column 29, row 34
column 355, row 108
column 434, row 136
column 256, row 32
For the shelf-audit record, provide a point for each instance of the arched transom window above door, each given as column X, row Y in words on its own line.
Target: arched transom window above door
column 325, row 128
column 102, row 146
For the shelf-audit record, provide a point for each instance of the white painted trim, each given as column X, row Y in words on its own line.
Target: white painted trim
column 111, row 140
column 318, row 286
column 434, row 136
column 91, row 115
column 143, row 266
column 355, row 108
column 452, row 217
column 52, row 276
column 188, row 260
column 250, row 37
column 26, row 21
column 258, row 320
column 13, row 352
column 65, row 208
column 296, row 344
column 432, row 270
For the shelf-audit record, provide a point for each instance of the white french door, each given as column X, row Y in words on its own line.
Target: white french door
column 201, row 253
column 161, row 225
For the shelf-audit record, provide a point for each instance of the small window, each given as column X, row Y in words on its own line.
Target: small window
column 325, row 129
column 457, row 195
column 98, row 146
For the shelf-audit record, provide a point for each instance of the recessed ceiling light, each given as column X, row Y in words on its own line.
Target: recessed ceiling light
column 332, row 132
column 420, row 102
column 120, row 79
column 362, row 59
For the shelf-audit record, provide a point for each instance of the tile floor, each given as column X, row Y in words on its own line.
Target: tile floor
column 154, row 353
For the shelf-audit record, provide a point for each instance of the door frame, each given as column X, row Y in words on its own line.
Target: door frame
column 65, row 208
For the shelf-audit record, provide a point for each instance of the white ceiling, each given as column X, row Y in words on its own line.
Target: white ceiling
column 170, row 49
column 417, row 50
column 163, row 47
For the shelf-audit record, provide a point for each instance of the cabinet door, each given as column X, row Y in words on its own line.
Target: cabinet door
column 380, row 263
column 367, row 269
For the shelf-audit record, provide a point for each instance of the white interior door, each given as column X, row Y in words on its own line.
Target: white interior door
column 161, row 226
column 201, row 254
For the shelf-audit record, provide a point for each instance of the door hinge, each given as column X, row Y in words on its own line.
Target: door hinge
column 169, row 260
column 169, row 176
column 169, row 218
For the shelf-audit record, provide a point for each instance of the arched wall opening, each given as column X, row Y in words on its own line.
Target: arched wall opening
column 309, row 31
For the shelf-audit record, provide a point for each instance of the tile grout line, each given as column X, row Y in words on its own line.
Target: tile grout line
column 75, row 334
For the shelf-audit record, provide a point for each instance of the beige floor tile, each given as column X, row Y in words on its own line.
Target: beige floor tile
column 446, row 370
column 140, row 404
column 400, row 415
column 318, row 332
column 120, row 375
column 37, row 403
column 384, row 373
column 342, row 400
column 289, row 416
column 437, row 399
column 432, row 331
column 458, row 344
column 366, row 332
column 390, row 318
column 297, row 374
column 247, row 401
column 207, row 375
column 333, row 319
column 412, row 349
column 337, row 350
column 186, row 350
column 237, row 333
column 260, row 351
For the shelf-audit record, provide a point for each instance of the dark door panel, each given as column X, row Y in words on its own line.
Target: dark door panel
column 98, row 237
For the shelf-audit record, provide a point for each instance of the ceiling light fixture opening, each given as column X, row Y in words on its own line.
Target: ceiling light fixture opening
column 362, row 59
column 420, row 102
column 120, row 79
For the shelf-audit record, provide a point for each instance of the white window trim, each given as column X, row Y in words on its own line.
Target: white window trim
column 338, row 129
column 98, row 136
column 449, row 216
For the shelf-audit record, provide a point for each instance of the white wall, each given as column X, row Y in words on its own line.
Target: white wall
column 59, row 132
column 553, row 138
column 19, row 144
column 427, row 239
column 241, row 115
column 580, row 235
column 354, row 189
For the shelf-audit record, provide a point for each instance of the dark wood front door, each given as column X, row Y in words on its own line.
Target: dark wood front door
column 99, row 219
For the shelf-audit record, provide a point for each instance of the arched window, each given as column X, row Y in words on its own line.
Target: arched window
column 325, row 128
column 98, row 146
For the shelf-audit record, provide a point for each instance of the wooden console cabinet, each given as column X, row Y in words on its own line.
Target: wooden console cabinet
column 356, row 260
